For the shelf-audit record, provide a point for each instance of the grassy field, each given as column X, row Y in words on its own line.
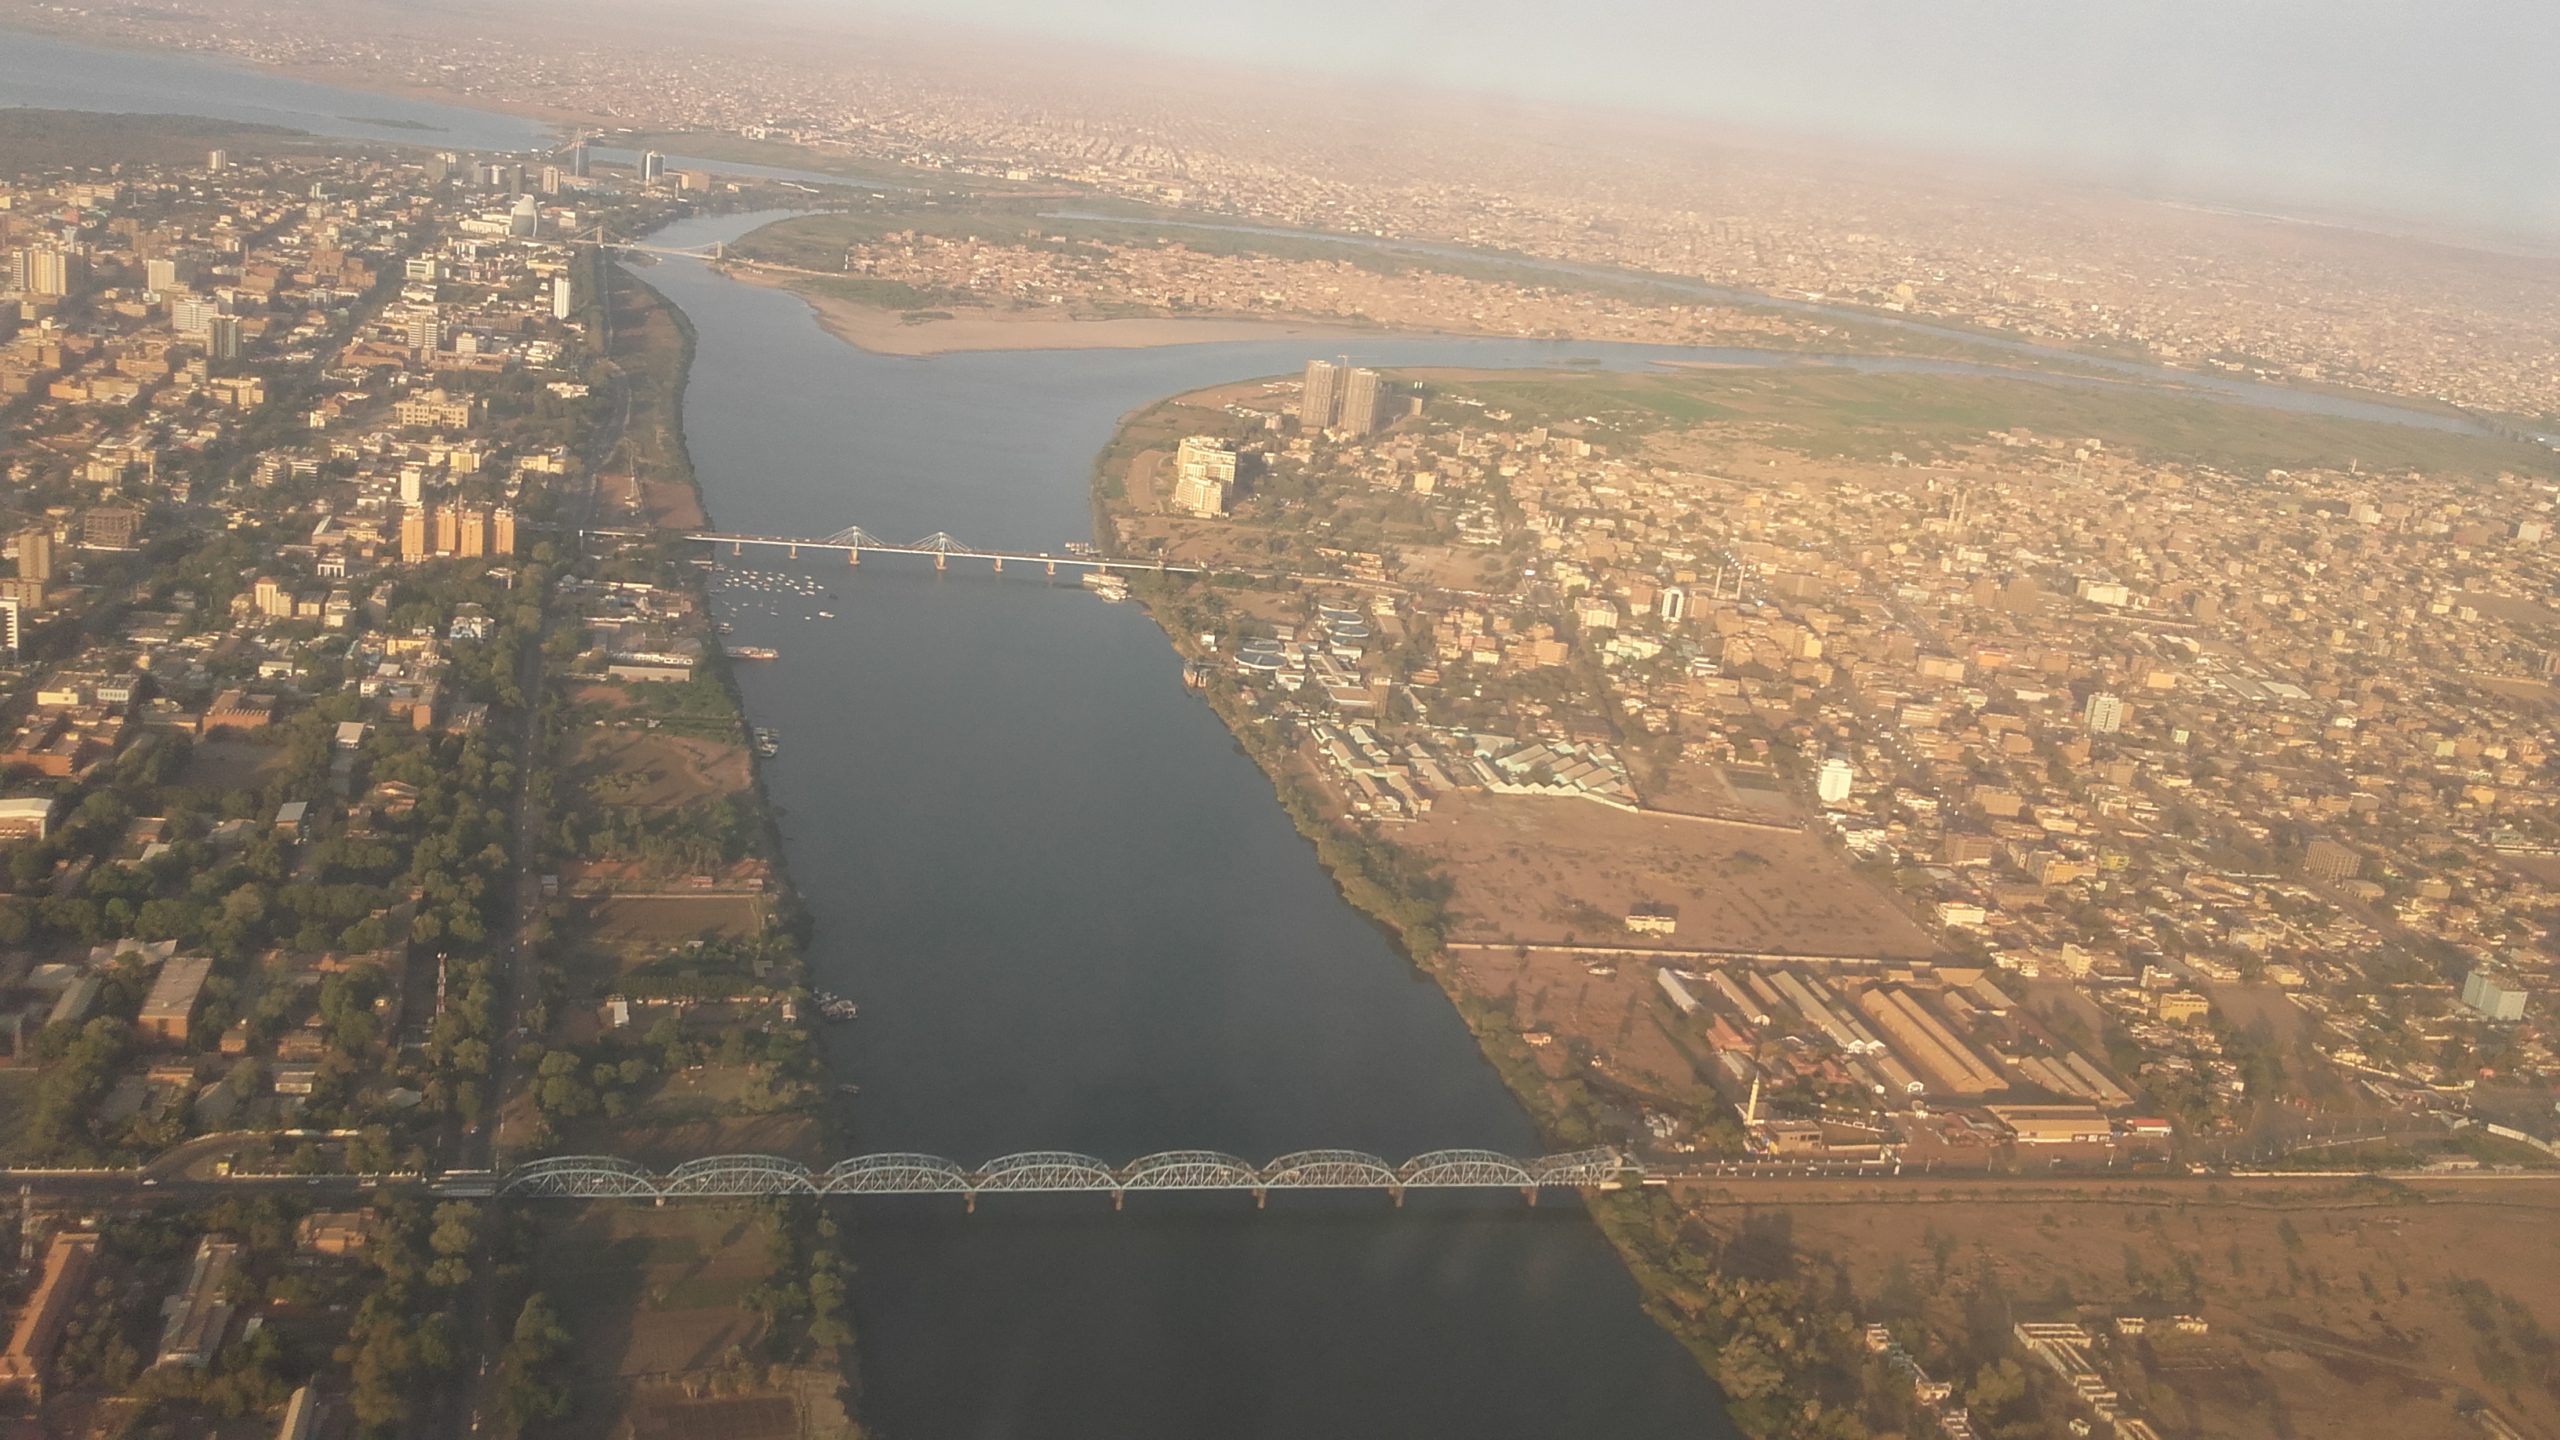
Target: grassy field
column 17, row 1100
column 33, row 140
column 1831, row 412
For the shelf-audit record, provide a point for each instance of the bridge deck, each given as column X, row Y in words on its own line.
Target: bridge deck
column 605, row 1177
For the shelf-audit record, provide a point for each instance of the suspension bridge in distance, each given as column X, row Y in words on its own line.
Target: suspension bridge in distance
column 1064, row 1172
column 853, row 542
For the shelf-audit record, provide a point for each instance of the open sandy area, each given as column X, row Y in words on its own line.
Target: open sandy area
column 889, row 332
column 2338, row 1308
column 1549, row 871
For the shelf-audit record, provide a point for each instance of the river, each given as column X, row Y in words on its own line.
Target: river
column 1076, row 919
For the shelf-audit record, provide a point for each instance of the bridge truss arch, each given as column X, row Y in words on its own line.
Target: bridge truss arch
column 581, row 1177
column 607, row 1177
column 728, row 1175
column 896, row 1173
column 1046, row 1170
column 1580, row 1169
column 1190, row 1170
column 1330, row 1170
column 1464, row 1169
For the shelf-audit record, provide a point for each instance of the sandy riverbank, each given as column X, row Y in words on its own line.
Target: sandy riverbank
column 888, row 332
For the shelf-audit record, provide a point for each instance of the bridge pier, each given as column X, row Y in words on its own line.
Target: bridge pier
column 1396, row 1193
column 941, row 561
column 853, row 555
column 1261, row 1197
column 1119, row 1200
column 1053, row 569
column 999, row 564
column 737, row 548
column 795, row 552
column 971, row 1198
column 1530, row 1194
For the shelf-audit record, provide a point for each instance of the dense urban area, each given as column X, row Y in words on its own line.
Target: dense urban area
column 2045, row 878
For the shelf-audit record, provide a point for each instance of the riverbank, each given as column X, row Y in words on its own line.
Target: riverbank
column 920, row 333
column 677, row 1015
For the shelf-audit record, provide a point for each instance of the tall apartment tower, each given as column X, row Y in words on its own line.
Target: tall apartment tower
column 9, row 632
column 1361, row 399
column 1320, row 403
column 472, row 523
column 652, row 166
column 35, row 555
column 1204, row 475
column 502, row 531
column 448, row 519
column 222, row 338
column 2105, row 714
column 413, row 533
column 54, row 273
column 564, row 298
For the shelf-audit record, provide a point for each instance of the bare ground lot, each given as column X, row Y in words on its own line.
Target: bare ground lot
column 656, row 921
column 1540, row 870
column 648, row 1293
column 1619, row 1012
column 654, row 770
column 624, row 499
column 232, row 764
column 2344, row 1310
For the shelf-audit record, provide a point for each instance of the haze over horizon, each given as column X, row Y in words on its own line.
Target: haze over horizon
column 2439, row 112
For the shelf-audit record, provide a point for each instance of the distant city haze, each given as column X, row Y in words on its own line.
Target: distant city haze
column 2438, row 110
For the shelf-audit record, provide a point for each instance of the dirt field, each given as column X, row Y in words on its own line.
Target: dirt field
column 653, row 770
column 648, row 1293
column 655, row 921
column 626, row 500
column 1620, row 1013
column 232, row 764
column 2343, row 1310
column 1540, row 870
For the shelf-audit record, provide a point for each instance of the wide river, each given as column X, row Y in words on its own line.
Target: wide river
column 1076, row 919
column 1074, row 916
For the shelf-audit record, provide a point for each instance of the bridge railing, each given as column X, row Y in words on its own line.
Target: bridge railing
column 607, row 1177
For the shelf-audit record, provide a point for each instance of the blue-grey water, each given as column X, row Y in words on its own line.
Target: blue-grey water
column 1075, row 918
column 43, row 73
column 40, row 72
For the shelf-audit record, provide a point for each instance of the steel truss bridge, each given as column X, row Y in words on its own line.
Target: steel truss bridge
column 1056, row 1172
column 853, row 541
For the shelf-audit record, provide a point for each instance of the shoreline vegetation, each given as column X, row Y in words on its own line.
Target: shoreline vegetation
column 621, row 1271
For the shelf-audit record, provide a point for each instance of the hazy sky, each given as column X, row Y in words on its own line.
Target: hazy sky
column 2449, row 107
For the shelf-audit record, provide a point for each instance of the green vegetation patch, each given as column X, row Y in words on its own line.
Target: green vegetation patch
column 1829, row 412
column 32, row 141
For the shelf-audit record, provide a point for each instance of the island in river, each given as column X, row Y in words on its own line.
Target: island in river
column 883, row 330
